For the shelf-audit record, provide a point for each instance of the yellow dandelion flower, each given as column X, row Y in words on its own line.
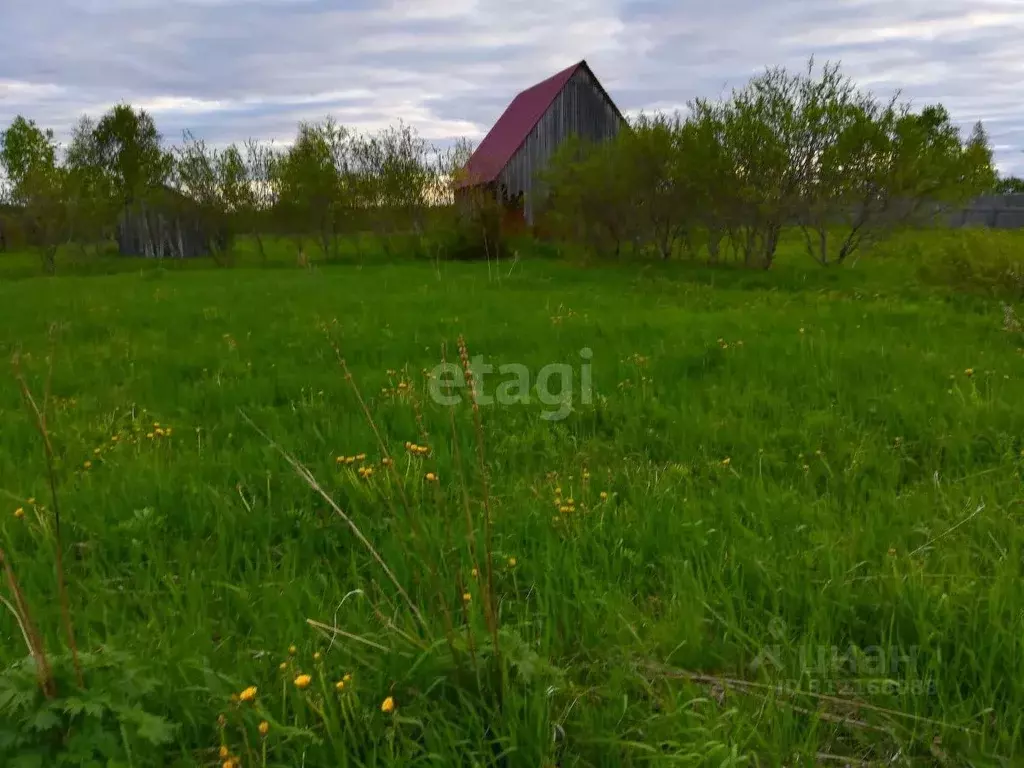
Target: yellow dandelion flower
column 87, row 465
column 570, row 502
column 431, row 477
column 149, row 435
column 97, row 451
column 969, row 372
column 264, row 728
column 228, row 764
column 249, row 694
column 386, row 461
column 892, row 551
column 586, row 475
column 466, row 597
column 19, row 513
column 474, row 573
column 388, row 705
column 340, row 685
column 31, row 501
column 292, row 650
column 563, row 509
column 512, row 562
column 347, row 678
column 408, row 445
column 302, row 681
column 360, row 457
column 168, row 431
column 558, row 491
column 603, row 495
column 224, row 753
column 283, row 666
column 726, row 461
column 316, row 656
column 340, row 460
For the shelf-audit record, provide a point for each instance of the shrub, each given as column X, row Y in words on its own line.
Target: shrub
column 474, row 233
column 977, row 261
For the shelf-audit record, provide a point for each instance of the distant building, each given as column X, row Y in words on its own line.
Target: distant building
column 533, row 126
column 169, row 224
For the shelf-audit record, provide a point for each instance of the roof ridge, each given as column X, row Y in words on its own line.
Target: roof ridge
column 514, row 125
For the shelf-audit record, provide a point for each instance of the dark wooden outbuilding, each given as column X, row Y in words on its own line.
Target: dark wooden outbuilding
column 534, row 125
column 167, row 224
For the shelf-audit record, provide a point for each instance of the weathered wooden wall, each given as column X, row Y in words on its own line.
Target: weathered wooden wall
column 156, row 232
column 581, row 109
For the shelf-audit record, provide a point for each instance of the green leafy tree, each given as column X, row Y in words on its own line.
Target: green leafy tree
column 38, row 189
column 656, row 167
column 762, row 133
column 261, row 199
column 208, row 179
column 117, row 167
column 93, row 207
column 979, row 164
column 128, row 150
column 311, row 178
column 391, row 181
column 1009, row 185
column 25, row 150
column 591, row 196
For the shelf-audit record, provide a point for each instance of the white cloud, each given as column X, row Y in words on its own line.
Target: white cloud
column 231, row 69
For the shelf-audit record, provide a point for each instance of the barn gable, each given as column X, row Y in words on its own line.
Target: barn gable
column 533, row 126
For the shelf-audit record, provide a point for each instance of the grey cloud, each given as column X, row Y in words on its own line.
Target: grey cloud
column 234, row 69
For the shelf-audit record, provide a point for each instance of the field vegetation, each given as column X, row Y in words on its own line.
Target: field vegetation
column 780, row 523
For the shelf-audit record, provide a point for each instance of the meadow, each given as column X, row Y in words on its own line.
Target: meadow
column 785, row 530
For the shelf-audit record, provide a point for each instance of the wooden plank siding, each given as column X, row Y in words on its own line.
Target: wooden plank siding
column 581, row 108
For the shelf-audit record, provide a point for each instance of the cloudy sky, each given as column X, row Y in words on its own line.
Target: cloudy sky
column 233, row 69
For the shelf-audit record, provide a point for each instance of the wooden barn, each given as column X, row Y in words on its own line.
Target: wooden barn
column 532, row 127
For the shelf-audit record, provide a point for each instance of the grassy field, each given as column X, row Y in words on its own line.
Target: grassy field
column 786, row 530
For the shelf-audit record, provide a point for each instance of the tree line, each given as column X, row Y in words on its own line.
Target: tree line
column 807, row 151
column 328, row 183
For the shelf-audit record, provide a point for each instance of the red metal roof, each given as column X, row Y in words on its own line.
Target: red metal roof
column 512, row 128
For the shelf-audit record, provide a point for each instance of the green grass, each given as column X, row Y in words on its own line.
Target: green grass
column 793, row 460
